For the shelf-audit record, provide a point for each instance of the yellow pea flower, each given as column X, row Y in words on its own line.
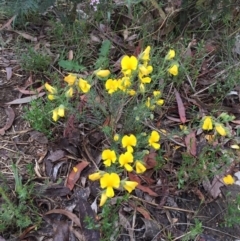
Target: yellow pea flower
column 228, row 180
column 128, row 142
column 170, row 54
column 145, row 70
column 55, row 116
column 69, row 93
column 111, row 86
column 129, row 185
column 235, row 146
column 50, row 88
column 140, row 168
column 173, row 70
column 132, row 92
column 144, row 80
column 160, row 102
column 58, row 112
column 103, row 73
column 110, row 181
column 109, row 157
column 148, row 104
column 153, row 139
column 156, row 93
column 116, row 137
column 70, row 79
column 145, row 56
column 51, row 97
column 95, row 176
column 84, row 85
column 142, row 88
column 61, row 110
column 129, row 64
column 125, row 159
column 220, row 129
column 207, row 123
column 103, row 199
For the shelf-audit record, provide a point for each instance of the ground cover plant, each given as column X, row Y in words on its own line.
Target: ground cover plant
column 119, row 120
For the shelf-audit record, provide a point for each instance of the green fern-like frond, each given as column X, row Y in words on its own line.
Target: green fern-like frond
column 103, row 57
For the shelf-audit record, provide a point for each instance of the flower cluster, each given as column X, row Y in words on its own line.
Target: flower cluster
column 127, row 160
column 73, row 83
column 173, row 67
column 210, row 123
column 131, row 67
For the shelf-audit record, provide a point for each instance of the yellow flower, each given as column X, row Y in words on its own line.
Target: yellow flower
column 235, row 146
column 128, row 64
column 140, row 168
column 51, row 97
column 109, row 157
column 84, row 85
column 153, row 139
column 103, row 73
column 124, row 83
column 146, row 54
column 129, row 185
column 103, row 199
column 148, row 104
column 111, row 86
column 125, row 159
column 145, row 70
column 160, row 102
column 95, row 176
column 220, row 129
column 207, row 123
column 144, row 80
column 128, row 142
column 170, row 55
column 173, row 70
column 132, row 92
column 69, row 93
column 156, row 93
column 228, row 180
column 61, row 110
column 58, row 112
column 142, row 87
column 50, row 88
column 70, row 79
column 116, row 137
column 110, row 181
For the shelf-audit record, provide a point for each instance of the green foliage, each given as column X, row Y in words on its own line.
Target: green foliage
column 194, row 231
column 71, row 65
column 108, row 218
column 103, row 57
column 207, row 164
column 25, row 7
column 34, row 61
column 18, row 211
column 232, row 215
column 39, row 116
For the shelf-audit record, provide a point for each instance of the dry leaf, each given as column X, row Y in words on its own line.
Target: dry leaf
column 26, row 36
column 30, row 92
column 11, row 115
column 190, row 141
column 7, row 25
column 135, row 178
column 125, row 223
column 75, row 174
column 70, row 215
column 9, row 73
column 181, row 108
column 25, row 100
column 70, row 55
